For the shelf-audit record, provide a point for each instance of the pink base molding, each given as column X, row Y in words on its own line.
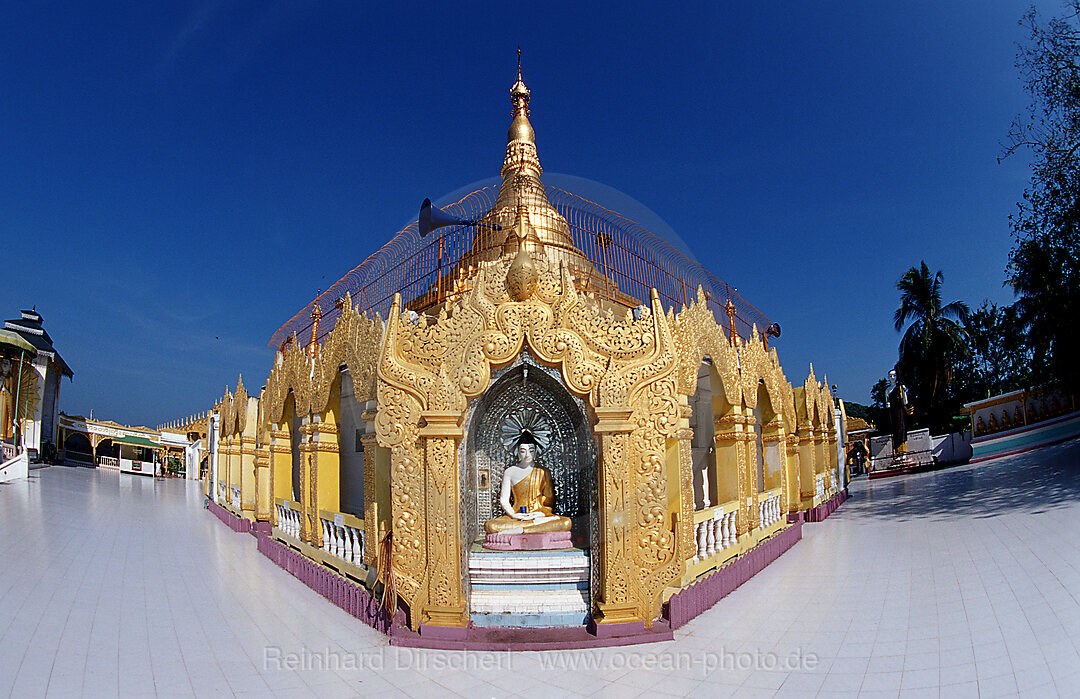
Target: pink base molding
column 237, row 524
column 691, row 601
column 353, row 598
column 822, row 511
column 357, row 601
column 531, row 639
column 528, row 542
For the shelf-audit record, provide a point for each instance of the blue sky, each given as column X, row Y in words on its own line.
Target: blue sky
column 178, row 179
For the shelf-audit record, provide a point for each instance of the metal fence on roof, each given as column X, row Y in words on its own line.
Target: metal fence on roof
column 627, row 260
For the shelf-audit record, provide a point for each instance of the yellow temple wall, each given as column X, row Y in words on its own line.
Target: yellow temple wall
column 407, row 431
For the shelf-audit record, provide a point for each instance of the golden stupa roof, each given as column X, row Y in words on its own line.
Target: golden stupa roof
column 617, row 260
column 522, row 195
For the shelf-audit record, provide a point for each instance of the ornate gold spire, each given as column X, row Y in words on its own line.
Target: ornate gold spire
column 522, row 189
column 520, row 139
column 313, row 343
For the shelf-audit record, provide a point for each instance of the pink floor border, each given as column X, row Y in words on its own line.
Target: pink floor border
column 822, row 511
column 703, row 594
column 237, row 524
column 683, row 606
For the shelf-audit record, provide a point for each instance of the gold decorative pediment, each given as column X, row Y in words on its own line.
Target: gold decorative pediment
column 438, row 364
column 354, row 341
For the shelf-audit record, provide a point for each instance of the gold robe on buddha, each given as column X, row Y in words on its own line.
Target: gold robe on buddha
column 535, row 493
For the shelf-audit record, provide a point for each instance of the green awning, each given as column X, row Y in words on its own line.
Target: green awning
column 14, row 339
column 138, row 442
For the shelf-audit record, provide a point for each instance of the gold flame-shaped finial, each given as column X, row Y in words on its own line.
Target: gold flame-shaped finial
column 521, row 131
column 522, row 277
column 316, row 316
column 730, row 308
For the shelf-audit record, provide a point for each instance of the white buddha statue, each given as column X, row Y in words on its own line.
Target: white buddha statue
column 527, row 496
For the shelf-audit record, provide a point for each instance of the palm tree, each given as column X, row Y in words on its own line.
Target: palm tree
column 932, row 343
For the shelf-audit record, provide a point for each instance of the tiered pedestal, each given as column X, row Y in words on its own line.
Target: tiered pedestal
column 529, row 588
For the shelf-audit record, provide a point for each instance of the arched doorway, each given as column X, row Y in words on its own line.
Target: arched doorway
column 528, row 397
column 77, row 447
column 107, row 449
column 703, row 443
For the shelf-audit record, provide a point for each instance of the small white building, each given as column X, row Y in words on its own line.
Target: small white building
column 43, row 401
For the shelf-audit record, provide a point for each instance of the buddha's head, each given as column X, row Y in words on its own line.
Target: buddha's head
column 526, row 449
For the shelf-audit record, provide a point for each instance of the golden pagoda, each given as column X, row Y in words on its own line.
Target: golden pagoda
column 541, row 417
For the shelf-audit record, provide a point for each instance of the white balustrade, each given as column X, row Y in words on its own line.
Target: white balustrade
column 769, row 510
column 342, row 540
column 716, row 533
column 235, row 496
column 821, row 487
column 288, row 520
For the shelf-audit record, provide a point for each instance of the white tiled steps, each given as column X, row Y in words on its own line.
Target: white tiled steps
column 529, row 588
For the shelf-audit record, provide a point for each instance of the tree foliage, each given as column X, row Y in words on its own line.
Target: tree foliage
column 879, row 407
column 999, row 360
column 932, row 346
column 1044, row 264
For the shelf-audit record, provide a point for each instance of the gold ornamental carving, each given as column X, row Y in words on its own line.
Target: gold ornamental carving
column 439, row 364
column 354, row 341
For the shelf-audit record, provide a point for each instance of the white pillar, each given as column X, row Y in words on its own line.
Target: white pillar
column 212, row 445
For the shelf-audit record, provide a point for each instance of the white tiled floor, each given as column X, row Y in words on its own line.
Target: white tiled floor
column 964, row 582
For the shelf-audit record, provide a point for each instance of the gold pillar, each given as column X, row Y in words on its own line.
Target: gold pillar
column 681, row 502
column 231, row 472
column 747, row 439
column 371, row 502
column 807, row 470
column 246, row 462
column 615, row 604
column 307, row 469
column 441, row 433
column 280, row 468
column 821, row 458
column 791, row 470
column 325, row 472
column 726, row 455
column 772, row 440
column 264, row 501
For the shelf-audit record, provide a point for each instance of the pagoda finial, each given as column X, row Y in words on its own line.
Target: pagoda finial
column 316, row 315
column 519, row 95
column 520, row 139
column 730, row 308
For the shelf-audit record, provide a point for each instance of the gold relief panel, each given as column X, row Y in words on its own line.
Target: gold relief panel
column 354, row 341
column 439, row 364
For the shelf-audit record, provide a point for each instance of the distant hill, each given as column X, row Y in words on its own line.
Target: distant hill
column 857, row 410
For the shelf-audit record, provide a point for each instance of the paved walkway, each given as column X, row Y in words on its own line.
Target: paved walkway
column 958, row 583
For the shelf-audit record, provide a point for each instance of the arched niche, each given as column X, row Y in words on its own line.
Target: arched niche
column 350, row 446
column 725, row 475
column 291, row 422
column 282, row 457
column 703, row 442
column 768, row 425
column 526, row 395
column 79, row 443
